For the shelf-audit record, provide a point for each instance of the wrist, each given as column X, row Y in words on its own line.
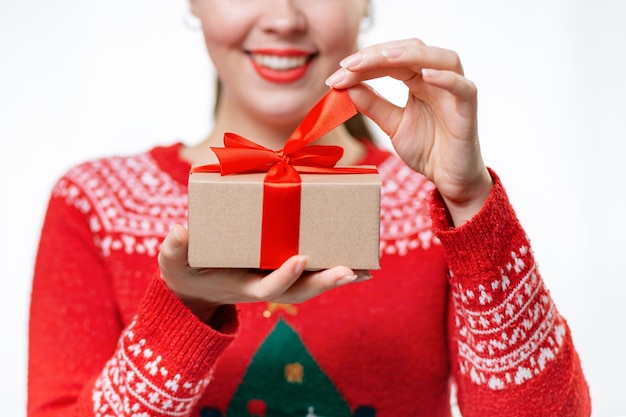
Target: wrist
column 202, row 309
column 462, row 210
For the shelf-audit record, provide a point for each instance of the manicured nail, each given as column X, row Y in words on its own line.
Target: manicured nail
column 175, row 237
column 363, row 276
column 346, row 279
column 430, row 73
column 392, row 52
column 351, row 61
column 299, row 268
column 336, row 78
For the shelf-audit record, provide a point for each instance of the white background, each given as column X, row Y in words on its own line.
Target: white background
column 83, row 78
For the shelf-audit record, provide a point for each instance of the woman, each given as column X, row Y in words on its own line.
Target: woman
column 121, row 325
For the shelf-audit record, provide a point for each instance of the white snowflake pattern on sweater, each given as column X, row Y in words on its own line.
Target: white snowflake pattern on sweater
column 130, row 201
column 511, row 340
column 135, row 383
column 132, row 204
column 405, row 223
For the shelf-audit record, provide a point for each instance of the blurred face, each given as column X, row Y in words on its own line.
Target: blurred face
column 273, row 56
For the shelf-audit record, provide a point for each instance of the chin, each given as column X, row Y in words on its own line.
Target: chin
column 293, row 104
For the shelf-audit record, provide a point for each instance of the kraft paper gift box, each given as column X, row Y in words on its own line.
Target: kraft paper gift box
column 258, row 206
column 339, row 220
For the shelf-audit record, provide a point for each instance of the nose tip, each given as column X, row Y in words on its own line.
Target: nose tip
column 283, row 22
column 283, row 17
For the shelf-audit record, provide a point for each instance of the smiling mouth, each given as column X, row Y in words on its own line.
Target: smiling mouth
column 280, row 62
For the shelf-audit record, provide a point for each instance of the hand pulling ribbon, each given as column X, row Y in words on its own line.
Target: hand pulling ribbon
column 280, row 228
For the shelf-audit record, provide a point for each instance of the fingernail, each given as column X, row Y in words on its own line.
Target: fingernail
column 299, row 268
column 363, row 276
column 430, row 73
column 336, row 78
column 351, row 61
column 176, row 240
column 392, row 52
column 346, row 279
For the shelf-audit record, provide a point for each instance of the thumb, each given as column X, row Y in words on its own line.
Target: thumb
column 173, row 253
column 377, row 108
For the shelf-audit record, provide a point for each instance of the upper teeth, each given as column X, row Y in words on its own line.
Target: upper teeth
column 280, row 62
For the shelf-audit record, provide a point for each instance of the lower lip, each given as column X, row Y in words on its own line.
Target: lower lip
column 282, row 77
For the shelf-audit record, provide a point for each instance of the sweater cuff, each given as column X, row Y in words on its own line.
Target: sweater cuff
column 167, row 322
column 164, row 359
column 481, row 244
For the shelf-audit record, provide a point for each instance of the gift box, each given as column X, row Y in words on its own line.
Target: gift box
column 258, row 207
column 339, row 220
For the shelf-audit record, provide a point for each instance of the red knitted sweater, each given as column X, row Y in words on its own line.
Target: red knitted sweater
column 464, row 307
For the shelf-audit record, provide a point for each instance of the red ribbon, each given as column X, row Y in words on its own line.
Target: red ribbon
column 280, row 228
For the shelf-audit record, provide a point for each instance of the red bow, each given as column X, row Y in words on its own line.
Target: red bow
column 281, row 186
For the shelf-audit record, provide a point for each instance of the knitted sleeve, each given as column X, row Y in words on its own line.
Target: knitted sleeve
column 511, row 351
column 82, row 360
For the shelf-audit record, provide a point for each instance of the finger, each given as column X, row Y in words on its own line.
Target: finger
column 374, row 106
column 403, row 61
column 344, row 78
column 173, row 253
column 373, row 56
column 278, row 281
column 411, row 53
column 452, row 82
column 313, row 284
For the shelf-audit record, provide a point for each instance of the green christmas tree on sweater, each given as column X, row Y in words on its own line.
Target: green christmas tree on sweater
column 283, row 380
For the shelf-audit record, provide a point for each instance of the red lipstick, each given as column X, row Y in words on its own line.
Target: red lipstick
column 281, row 65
